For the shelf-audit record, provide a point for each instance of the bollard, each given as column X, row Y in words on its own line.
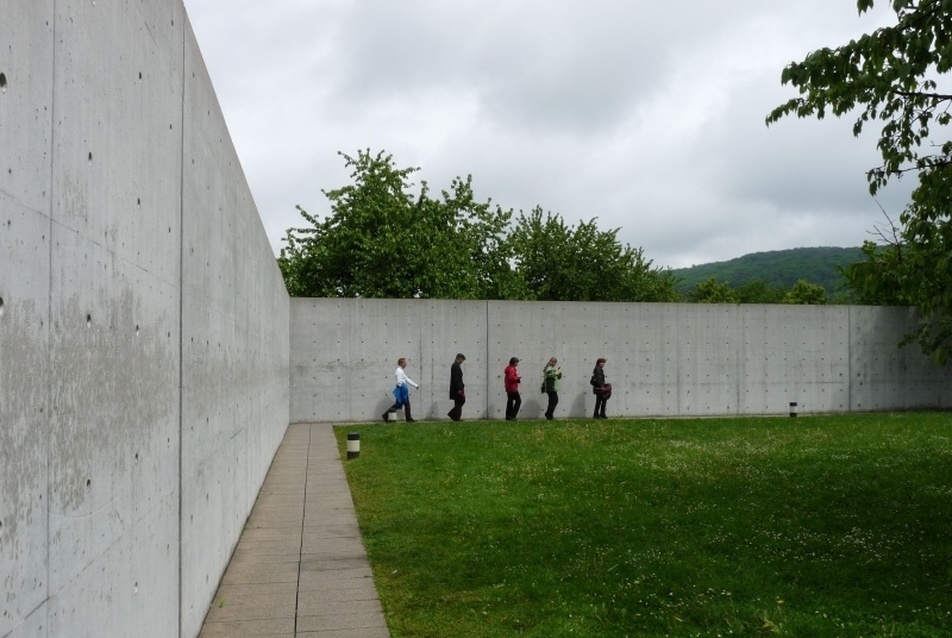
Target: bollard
column 793, row 408
column 353, row 445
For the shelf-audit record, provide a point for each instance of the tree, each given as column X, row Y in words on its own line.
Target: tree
column 713, row 291
column 879, row 278
column 759, row 291
column 561, row 263
column 803, row 292
column 892, row 76
column 382, row 240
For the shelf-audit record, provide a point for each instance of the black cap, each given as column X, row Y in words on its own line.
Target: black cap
column 460, row 355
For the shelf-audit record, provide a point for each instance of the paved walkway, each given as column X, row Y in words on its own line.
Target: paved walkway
column 300, row 569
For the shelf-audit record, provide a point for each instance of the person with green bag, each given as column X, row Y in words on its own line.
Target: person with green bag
column 551, row 375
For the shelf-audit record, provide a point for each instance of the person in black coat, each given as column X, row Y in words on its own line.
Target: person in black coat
column 457, row 389
column 600, row 388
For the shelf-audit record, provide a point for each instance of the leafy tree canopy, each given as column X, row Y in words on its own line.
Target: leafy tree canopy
column 713, row 291
column 383, row 239
column 878, row 279
column 803, row 292
column 759, row 291
column 559, row 262
column 895, row 76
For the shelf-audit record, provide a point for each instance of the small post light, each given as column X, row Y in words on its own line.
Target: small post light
column 353, row 445
column 793, row 408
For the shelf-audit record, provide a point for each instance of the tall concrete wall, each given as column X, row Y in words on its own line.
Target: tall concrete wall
column 663, row 359
column 143, row 325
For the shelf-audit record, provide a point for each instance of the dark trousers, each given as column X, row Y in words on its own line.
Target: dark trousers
column 600, row 402
column 457, row 412
column 396, row 406
column 513, row 403
column 553, row 401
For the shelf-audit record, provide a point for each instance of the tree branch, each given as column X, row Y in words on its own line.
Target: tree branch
column 938, row 97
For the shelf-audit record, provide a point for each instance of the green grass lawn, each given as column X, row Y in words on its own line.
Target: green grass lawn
column 816, row 526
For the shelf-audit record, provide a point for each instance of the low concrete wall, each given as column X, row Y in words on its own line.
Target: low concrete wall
column 143, row 325
column 663, row 359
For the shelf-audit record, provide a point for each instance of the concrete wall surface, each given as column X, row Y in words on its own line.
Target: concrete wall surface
column 663, row 359
column 143, row 325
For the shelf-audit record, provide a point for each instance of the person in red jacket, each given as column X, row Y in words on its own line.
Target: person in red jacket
column 511, row 380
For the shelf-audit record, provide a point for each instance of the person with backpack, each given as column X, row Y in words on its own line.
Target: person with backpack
column 600, row 389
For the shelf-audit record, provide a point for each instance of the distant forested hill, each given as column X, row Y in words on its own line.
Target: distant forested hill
column 778, row 268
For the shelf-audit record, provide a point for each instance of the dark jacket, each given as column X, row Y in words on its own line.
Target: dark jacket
column 598, row 375
column 456, row 381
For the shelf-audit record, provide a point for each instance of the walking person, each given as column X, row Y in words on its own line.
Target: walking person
column 551, row 374
column 457, row 388
column 511, row 380
column 401, row 392
column 601, row 389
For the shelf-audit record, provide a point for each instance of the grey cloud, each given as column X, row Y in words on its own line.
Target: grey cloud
column 647, row 115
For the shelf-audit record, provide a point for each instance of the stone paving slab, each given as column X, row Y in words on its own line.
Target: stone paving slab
column 300, row 569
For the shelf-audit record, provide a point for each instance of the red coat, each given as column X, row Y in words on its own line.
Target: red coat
column 512, row 379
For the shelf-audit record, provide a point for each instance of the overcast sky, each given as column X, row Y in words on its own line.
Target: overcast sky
column 645, row 114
